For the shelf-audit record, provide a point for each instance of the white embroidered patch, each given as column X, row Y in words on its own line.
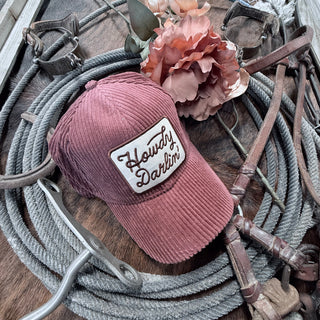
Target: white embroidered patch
column 150, row 158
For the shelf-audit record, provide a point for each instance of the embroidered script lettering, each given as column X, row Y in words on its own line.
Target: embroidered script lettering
column 151, row 158
column 145, row 176
column 153, row 146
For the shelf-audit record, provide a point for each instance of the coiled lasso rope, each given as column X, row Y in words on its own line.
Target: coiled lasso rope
column 99, row 295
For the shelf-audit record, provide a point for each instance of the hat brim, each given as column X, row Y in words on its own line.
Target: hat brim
column 175, row 225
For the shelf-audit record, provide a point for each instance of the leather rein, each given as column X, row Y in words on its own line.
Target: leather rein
column 252, row 291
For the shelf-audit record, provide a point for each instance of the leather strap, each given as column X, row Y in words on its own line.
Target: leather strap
column 238, row 9
column 240, row 261
column 65, row 63
column 30, row 177
column 301, row 41
column 61, row 65
column 308, row 307
column 251, row 289
column 310, row 270
column 248, row 169
column 69, row 24
column 297, row 134
column 270, row 24
column 276, row 246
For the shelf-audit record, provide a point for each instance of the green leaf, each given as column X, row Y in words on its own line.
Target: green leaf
column 145, row 52
column 132, row 45
column 143, row 21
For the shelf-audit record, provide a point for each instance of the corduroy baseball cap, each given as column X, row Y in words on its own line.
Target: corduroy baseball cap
column 122, row 141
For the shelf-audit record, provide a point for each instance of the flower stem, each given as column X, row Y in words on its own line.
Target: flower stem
column 120, row 14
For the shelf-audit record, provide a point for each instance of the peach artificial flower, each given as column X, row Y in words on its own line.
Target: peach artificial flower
column 158, row 7
column 197, row 68
column 188, row 7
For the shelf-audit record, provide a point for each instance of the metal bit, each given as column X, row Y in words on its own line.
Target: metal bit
column 93, row 247
column 125, row 273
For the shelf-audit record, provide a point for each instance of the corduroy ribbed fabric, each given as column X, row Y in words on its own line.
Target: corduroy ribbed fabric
column 175, row 218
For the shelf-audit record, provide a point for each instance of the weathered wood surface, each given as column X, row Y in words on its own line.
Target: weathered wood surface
column 309, row 12
column 9, row 14
column 21, row 15
column 20, row 291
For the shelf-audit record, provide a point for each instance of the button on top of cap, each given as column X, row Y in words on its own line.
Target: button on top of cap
column 91, row 84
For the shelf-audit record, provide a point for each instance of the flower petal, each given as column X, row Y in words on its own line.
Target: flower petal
column 192, row 26
column 240, row 86
column 187, row 61
column 156, row 73
column 157, row 6
column 217, row 95
column 176, row 8
column 181, row 85
column 202, row 108
column 186, row 5
column 198, row 109
column 197, row 68
column 201, row 76
column 182, row 62
column 168, row 23
column 199, row 12
column 171, row 55
column 205, row 63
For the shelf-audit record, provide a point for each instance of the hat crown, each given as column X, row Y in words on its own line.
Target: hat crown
column 111, row 113
column 125, row 123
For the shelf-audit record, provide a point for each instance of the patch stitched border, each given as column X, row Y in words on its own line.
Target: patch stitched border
column 150, row 158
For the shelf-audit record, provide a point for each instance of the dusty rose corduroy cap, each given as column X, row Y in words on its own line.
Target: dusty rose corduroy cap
column 122, row 141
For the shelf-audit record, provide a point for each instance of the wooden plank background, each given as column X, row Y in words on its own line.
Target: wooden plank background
column 16, row 14
column 309, row 12
column 9, row 14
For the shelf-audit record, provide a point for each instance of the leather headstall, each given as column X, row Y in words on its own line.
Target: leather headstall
column 252, row 32
column 70, row 26
column 27, row 178
column 260, row 299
